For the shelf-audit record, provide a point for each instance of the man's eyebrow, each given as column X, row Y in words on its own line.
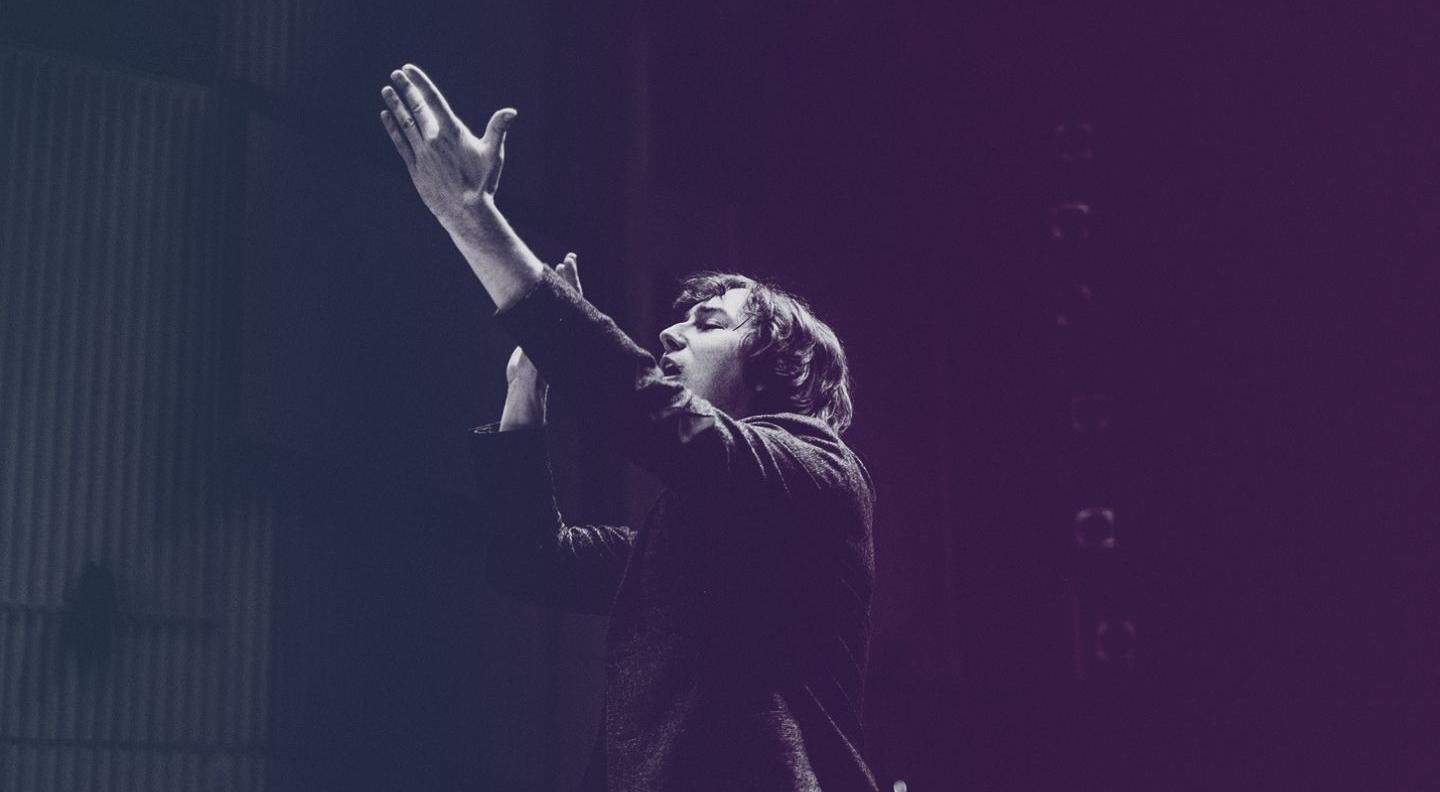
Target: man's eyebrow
column 710, row 310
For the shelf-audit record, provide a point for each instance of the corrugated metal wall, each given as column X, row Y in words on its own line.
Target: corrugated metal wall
column 111, row 429
column 265, row 42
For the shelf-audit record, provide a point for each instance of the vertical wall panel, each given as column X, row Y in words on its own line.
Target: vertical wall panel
column 264, row 43
column 111, row 436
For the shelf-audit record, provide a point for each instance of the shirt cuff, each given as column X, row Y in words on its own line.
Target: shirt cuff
column 529, row 294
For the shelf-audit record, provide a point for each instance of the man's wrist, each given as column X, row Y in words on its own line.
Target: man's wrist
column 505, row 266
column 478, row 222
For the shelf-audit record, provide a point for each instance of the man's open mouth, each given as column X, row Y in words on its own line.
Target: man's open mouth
column 668, row 368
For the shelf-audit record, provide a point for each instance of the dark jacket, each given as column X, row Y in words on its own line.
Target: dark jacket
column 739, row 611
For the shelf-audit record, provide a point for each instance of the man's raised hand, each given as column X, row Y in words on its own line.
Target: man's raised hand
column 453, row 170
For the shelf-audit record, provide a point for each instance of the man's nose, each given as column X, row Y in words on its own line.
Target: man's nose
column 670, row 339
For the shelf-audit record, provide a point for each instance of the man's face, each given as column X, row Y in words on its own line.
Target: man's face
column 704, row 351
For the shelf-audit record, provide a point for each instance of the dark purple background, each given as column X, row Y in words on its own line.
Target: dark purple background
column 1263, row 274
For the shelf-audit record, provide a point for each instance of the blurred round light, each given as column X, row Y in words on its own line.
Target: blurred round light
column 1075, row 309
column 900, row 786
column 1090, row 414
column 1075, row 141
column 1115, row 641
column 1095, row 528
column 1070, row 221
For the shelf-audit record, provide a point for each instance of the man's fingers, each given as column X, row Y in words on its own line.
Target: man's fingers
column 397, row 137
column 430, row 94
column 402, row 117
column 420, row 110
column 495, row 138
column 570, row 272
column 500, row 124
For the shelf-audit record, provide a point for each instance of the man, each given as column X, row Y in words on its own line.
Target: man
column 739, row 611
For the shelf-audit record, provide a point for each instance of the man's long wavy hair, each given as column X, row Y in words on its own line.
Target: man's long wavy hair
column 796, row 360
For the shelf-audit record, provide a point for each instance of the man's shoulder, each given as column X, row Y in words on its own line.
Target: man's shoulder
column 793, row 422
column 820, row 448
column 803, row 429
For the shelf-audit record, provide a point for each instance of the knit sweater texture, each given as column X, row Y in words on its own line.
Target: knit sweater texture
column 739, row 609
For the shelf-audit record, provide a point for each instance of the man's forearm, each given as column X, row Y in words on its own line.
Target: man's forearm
column 503, row 263
column 524, row 406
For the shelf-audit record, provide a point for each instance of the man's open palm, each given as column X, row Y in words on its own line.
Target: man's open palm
column 453, row 170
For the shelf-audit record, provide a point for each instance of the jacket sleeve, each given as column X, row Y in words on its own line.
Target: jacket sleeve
column 664, row 427
column 531, row 553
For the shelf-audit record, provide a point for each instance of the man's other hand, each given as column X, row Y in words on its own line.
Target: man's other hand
column 454, row 171
column 519, row 370
column 526, row 391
